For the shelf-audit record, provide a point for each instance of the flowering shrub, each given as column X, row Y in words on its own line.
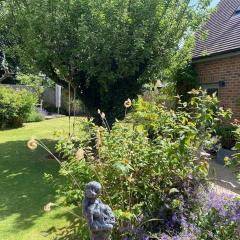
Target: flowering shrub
column 217, row 218
column 221, row 218
column 15, row 106
column 151, row 164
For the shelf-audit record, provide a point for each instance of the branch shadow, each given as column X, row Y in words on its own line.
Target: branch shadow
column 77, row 230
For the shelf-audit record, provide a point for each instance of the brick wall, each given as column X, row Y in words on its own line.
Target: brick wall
column 228, row 70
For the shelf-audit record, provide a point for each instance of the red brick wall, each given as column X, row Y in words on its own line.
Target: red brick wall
column 228, row 70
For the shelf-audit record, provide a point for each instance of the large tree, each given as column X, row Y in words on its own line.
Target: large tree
column 106, row 49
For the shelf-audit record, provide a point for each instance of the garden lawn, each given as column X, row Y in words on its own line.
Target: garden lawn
column 23, row 192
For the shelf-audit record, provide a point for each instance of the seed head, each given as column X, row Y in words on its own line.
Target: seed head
column 131, row 179
column 103, row 116
column 158, row 84
column 47, row 208
column 128, row 103
column 79, row 154
column 32, row 144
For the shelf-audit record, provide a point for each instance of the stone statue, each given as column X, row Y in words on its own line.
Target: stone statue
column 99, row 216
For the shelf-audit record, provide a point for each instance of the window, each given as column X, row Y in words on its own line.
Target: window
column 237, row 12
column 211, row 91
column 211, row 88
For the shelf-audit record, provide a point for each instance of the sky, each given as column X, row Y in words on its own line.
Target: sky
column 215, row 2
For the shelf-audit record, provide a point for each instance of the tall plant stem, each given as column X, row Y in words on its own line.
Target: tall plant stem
column 41, row 144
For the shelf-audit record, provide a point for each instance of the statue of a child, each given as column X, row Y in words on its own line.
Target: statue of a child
column 99, row 216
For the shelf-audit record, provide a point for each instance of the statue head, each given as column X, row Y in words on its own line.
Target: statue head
column 93, row 190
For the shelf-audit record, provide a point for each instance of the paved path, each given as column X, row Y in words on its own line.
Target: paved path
column 225, row 179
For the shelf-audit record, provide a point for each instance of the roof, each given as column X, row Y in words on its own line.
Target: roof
column 223, row 31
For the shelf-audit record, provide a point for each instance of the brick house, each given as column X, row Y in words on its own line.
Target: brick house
column 217, row 57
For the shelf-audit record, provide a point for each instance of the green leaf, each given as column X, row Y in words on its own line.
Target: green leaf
column 173, row 190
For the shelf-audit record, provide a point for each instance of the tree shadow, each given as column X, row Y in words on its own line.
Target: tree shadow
column 22, row 187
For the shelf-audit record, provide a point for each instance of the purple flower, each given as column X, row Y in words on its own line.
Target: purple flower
column 176, row 238
column 165, row 237
column 174, row 218
column 227, row 206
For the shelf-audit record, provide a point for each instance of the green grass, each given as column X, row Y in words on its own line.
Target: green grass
column 23, row 192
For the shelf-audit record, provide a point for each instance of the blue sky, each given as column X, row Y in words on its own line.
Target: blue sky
column 215, row 2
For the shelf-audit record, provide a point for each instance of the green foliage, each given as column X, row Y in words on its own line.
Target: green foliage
column 228, row 138
column 214, row 227
column 151, row 162
column 219, row 219
column 235, row 161
column 37, row 82
column 105, row 49
column 35, row 116
column 186, row 80
column 15, row 106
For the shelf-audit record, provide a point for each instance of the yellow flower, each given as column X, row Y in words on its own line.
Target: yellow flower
column 32, row 144
column 128, row 103
column 127, row 214
column 99, row 111
column 47, row 208
column 131, row 179
column 226, row 159
column 125, row 161
column 206, row 164
column 79, row 154
column 209, row 98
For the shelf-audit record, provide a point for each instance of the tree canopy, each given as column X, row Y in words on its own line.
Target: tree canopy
column 106, row 49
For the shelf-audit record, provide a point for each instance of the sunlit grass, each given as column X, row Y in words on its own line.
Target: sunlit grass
column 23, row 190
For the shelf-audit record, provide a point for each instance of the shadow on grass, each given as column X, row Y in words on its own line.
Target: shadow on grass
column 23, row 190
column 77, row 230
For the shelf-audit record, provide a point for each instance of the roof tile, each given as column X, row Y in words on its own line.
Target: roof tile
column 223, row 31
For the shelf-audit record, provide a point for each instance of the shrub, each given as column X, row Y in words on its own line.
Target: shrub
column 35, row 116
column 186, row 79
column 151, row 164
column 15, row 106
column 125, row 43
column 228, row 138
column 235, row 161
